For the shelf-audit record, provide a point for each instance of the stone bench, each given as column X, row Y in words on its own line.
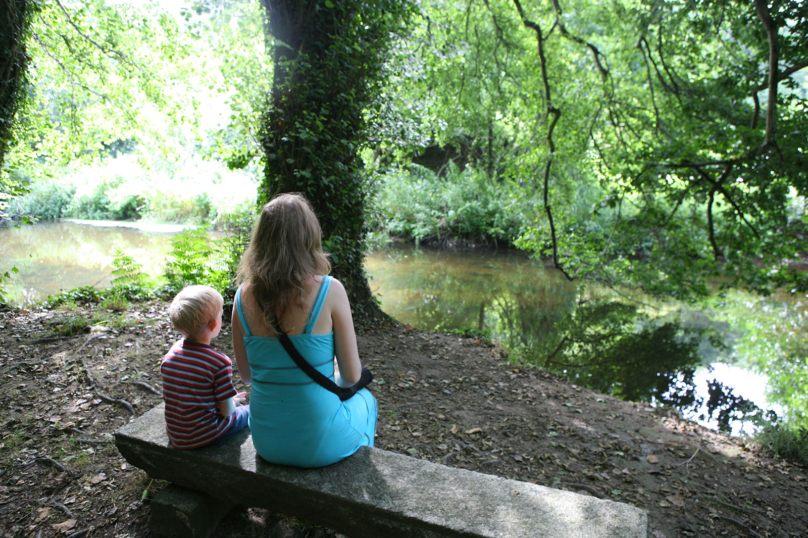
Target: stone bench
column 372, row 494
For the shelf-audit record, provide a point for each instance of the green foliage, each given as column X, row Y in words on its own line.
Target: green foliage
column 125, row 83
column 774, row 341
column 195, row 260
column 640, row 128
column 329, row 60
column 115, row 300
column 46, row 199
column 81, row 295
column 70, row 325
column 4, row 277
column 783, row 441
column 197, row 209
column 126, row 270
column 14, row 59
column 462, row 205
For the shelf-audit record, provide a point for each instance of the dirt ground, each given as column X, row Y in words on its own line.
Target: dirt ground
column 445, row 398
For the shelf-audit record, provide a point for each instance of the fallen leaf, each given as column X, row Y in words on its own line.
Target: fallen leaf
column 650, row 458
column 100, row 477
column 43, row 513
column 659, row 534
column 518, row 457
column 473, row 430
column 64, row 526
column 454, row 428
column 676, row 499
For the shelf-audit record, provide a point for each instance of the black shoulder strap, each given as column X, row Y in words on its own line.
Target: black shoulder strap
column 343, row 393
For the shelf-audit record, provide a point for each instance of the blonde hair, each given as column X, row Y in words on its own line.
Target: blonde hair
column 285, row 247
column 193, row 308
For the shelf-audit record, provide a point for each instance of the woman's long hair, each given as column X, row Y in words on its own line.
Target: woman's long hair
column 285, row 247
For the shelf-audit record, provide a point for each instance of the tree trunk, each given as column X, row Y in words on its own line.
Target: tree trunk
column 13, row 61
column 328, row 58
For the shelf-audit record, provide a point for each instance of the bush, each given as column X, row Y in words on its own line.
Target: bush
column 95, row 206
column 167, row 208
column 193, row 260
column 463, row 205
column 780, row 440
column 46, row 199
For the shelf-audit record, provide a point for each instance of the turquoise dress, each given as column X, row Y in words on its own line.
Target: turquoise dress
column 293, row 420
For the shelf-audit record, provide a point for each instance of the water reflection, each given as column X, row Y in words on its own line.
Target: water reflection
column 656, row 355
column 660, row 356
column 55, row 256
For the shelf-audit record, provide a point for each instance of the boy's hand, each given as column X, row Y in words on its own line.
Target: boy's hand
column 240, row 398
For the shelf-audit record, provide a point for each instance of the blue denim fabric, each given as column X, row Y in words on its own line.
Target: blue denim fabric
column 242, row 417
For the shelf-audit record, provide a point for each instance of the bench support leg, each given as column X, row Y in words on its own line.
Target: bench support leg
column 183, row 513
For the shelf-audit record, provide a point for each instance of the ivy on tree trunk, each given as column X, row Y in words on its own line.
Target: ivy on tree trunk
column 13, row 61
column 328, row 67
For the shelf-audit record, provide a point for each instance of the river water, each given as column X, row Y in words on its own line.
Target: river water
column 516, row 300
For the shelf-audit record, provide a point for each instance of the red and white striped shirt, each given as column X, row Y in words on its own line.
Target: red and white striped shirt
column 196, row 378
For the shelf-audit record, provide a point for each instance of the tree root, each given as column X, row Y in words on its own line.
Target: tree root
column 593, row 490
column 731, row 520
column 102, row 396
column 146, row 386
column 766, row 519
column 52, row 463
column 63, row 508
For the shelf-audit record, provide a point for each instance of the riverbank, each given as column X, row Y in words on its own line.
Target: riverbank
column 442, row 397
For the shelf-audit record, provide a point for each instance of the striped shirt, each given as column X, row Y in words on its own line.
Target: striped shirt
column 196, row 378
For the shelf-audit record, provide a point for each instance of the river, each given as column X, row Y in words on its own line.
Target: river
column 515, row 300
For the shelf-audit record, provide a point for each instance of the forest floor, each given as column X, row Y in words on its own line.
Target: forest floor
column 449, row 399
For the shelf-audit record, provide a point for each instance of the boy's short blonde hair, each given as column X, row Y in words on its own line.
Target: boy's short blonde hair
column 193, row 308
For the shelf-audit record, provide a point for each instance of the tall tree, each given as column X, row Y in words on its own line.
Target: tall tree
column 328, row 66
column 13, row 63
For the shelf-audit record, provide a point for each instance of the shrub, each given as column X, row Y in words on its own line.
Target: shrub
column 787, row 443
column 46, row 199
column 193, row 260
column 130, row 209
column 94, row 206
column 420, row 205
column 167, row 208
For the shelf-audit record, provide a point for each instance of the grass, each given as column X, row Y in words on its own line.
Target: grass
column 69, row 325
column 115, row 301
column 784, row 442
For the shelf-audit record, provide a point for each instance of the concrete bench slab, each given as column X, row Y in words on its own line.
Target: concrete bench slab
column 378, row 494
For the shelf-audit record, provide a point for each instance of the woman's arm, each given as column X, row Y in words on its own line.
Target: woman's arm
column 238, row 348
column 350, row 368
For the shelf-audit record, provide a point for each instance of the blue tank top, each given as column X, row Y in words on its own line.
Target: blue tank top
column 293, row 420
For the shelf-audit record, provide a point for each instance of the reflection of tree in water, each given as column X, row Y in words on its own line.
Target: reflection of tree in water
column 613, row 348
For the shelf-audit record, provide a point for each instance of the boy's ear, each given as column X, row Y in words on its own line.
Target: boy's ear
column 212, row 325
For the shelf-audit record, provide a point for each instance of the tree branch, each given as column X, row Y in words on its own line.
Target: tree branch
column 762, row 9
column 66, row 70
column 719, row 185
column 711, row 226
column 650, row 80
column 105, row 50
column 784, row 74
column 563, row 29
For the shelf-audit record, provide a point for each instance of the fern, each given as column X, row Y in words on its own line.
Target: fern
column 126, row 270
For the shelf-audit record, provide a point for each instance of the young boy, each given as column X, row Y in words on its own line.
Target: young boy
column 198, row 380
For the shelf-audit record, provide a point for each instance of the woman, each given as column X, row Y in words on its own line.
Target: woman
column 283, row 278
